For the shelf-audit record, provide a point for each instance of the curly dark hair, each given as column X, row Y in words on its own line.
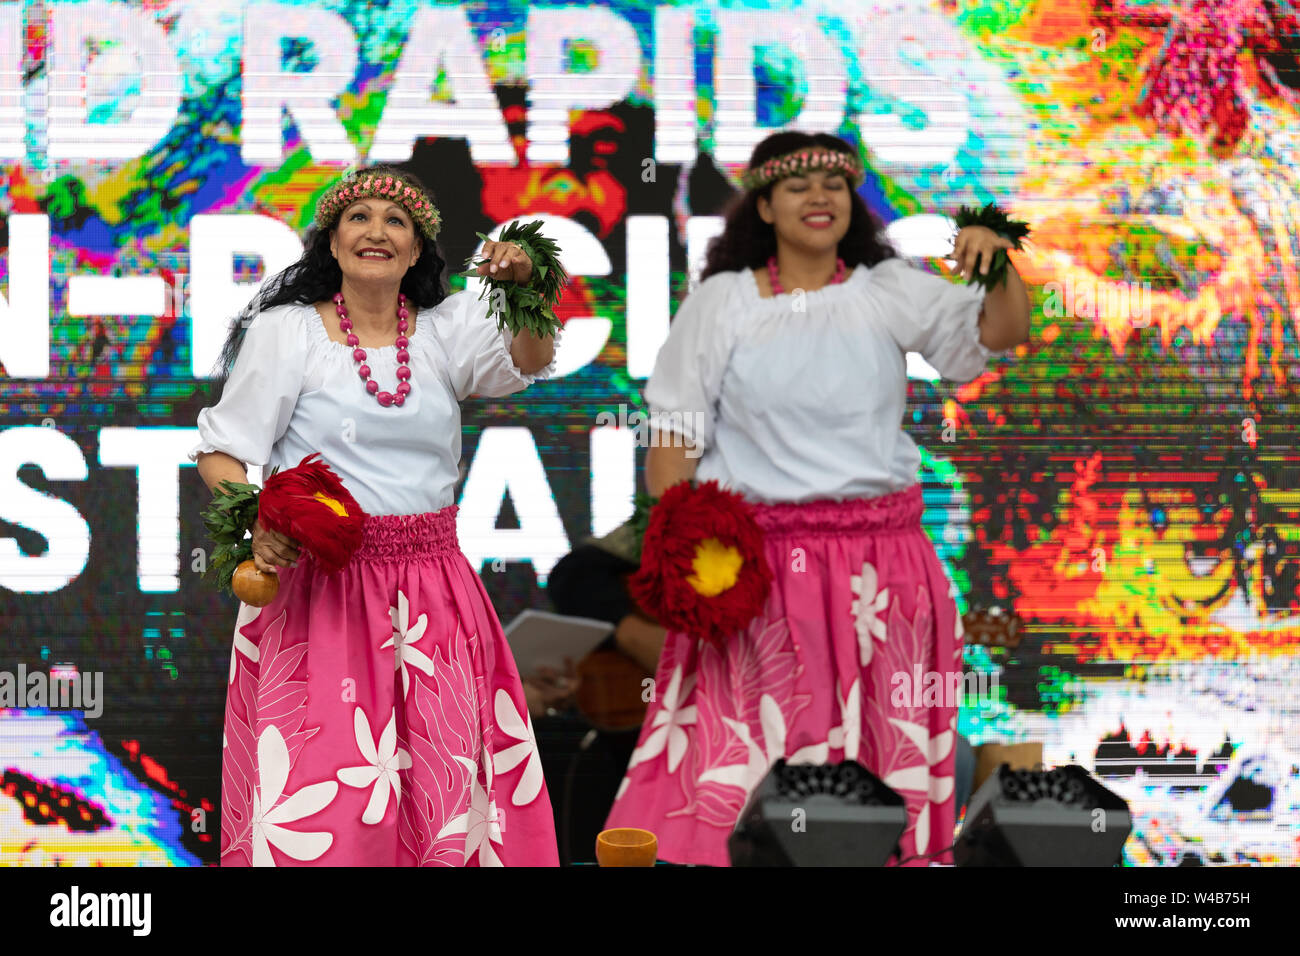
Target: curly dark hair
column 317, row 276
column 747, row 242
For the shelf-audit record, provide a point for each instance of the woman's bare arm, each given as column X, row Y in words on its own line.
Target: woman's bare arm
column 270, row 549
column 216, row 466
column 1004, row 321
column 531, row 353
column 667, row 464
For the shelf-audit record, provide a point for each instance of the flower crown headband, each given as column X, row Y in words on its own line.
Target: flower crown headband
column 351, row 188
column 800, row 162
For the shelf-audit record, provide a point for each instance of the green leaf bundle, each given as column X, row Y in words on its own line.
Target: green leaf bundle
column 229, row 519
column 528, row 307
column 640, row 520
column 993, row 218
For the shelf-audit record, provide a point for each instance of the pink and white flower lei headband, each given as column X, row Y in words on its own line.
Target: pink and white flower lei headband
column 803, row 161
column 351, row 188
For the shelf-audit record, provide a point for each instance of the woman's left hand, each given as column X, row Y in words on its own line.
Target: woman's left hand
column 506, row 262
column 974, row 247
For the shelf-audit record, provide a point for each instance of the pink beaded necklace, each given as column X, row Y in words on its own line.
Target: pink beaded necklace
column 778, row 289
column 359, row 354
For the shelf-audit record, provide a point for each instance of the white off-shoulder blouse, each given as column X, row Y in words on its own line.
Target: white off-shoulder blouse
column 798, row 398
column 294, row 391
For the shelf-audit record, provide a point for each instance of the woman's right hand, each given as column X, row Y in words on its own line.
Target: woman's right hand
column 270, row 548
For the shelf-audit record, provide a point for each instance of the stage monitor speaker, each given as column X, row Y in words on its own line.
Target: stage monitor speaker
column 818, row 815
column 1060, row 817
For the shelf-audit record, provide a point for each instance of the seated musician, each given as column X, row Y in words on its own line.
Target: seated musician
column 587, row 719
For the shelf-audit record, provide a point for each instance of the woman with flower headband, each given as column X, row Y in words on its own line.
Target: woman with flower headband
column 784, row 378
column 374, row 716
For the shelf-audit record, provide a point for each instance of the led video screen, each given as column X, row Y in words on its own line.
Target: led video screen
column 1125, row 482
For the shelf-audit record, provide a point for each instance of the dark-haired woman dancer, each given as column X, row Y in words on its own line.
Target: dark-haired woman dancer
column 786, row 366
column 374, row 716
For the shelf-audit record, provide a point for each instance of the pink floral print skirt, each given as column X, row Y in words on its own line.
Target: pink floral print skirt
column 861, row 609
column 374, row 717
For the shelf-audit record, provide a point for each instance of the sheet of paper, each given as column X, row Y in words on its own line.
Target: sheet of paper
column 544, row 639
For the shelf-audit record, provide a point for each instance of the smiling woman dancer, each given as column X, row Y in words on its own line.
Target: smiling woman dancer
column 374, row 716
column 786, row 366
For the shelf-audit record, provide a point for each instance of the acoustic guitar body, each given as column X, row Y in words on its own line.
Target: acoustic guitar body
column 610, row 690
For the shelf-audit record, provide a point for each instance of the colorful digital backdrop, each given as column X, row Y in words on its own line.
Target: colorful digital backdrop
column 1125, row 481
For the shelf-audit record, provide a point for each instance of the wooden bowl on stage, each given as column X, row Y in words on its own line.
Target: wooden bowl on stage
column 626, row 846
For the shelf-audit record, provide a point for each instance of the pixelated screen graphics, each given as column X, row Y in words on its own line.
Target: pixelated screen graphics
column 1124, row 481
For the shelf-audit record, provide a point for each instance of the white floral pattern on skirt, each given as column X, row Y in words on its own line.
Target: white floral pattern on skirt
column 810, row 680
column 375, row 717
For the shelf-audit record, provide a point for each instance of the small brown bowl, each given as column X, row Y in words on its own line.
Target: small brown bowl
column 626, row 846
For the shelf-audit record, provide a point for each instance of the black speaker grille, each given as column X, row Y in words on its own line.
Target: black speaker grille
column 844, row 781
column 1029, row 786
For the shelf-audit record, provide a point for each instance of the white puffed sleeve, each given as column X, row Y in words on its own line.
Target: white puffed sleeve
column 937, row 318
column 477, row 353
column 684, row 387
column 261, row 392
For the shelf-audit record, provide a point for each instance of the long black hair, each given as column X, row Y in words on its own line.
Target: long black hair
column 747, row 242
column 316, row 277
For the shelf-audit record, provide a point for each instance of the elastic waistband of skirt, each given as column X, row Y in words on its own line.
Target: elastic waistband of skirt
column 394, row 537
column 898, row 511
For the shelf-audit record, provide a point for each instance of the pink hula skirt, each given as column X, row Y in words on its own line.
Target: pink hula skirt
column 859, row 598
column 374, row 717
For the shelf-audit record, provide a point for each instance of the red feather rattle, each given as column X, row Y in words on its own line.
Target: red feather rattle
column 703, row 570
column 309, row 504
